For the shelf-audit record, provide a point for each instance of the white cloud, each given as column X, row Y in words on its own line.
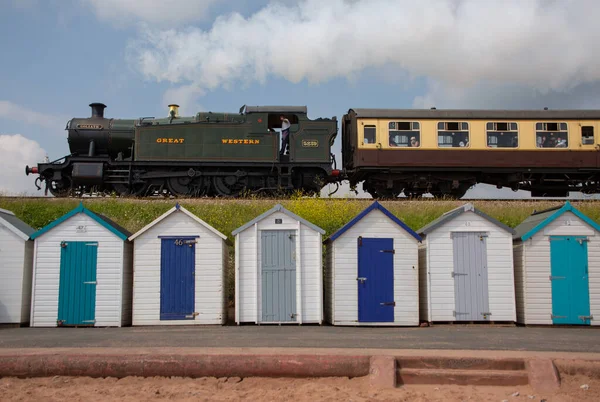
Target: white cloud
column 509, row 96
column 538, row 44
column 12, row 111
column 153, row 11
column 17, row 151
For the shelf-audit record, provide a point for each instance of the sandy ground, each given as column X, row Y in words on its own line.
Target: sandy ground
column 261, row 389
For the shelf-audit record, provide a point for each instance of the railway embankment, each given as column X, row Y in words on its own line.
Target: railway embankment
column 228, row 214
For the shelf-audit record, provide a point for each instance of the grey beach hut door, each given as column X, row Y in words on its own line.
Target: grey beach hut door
column 470, row 276
column 278, row 250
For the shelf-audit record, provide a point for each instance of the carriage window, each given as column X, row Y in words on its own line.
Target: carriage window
column 551, row 135
column 370, row 135
column 587, row 135
column 453, row 134
column 404, row 134
column 502, row 135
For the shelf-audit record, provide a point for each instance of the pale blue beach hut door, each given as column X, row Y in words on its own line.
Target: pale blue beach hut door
column 278, row 284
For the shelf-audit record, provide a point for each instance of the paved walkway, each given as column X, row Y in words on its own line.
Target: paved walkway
column 439, row 337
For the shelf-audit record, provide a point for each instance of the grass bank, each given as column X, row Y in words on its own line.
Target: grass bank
column 227, row 215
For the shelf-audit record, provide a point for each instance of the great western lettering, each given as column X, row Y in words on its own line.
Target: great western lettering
column 231, row 141
column 170, row 140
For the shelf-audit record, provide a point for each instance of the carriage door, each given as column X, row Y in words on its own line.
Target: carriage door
column 375, row 280
column 569, row 278
column 470, row 276
column 589, row 142
column 77, row 283
column 177, row 278
column 278, row 255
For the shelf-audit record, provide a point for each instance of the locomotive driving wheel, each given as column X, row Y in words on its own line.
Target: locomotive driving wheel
column 230, row 186
column 188, row 186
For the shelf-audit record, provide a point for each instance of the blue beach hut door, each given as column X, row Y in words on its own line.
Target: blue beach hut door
column 177, row 278
column 569, row 279
column 375, row 280
column 77, row 283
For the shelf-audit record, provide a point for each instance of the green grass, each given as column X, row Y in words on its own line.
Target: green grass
column 227, row 215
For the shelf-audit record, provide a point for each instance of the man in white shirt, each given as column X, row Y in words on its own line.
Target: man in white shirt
column 285, row 134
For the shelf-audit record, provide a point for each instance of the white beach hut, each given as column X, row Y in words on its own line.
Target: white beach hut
column 278, row 270
column 466, row 268
column 179, row 268
column 82, row 272
column 16, row 260
column 371, row 271
column 557, row 268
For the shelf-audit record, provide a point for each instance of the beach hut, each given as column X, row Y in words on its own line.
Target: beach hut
column 16, row 260
column 82, row 272
column 371, row 271
column 278, row 270
column 179, row 264
column 557, row 268
column 466, row 268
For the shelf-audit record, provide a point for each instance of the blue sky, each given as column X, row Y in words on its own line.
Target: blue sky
column 136, row 56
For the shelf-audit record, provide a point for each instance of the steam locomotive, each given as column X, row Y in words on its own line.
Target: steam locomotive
column 209, row 154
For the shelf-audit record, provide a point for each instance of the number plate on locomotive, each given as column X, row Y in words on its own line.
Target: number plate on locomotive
column 310, row 143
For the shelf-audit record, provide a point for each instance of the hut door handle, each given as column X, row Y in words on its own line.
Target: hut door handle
column 90, row 283
column 361, row 280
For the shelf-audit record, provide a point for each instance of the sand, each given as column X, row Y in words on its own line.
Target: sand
column 261, row 389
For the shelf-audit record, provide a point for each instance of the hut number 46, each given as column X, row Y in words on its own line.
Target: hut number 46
column 180, row 242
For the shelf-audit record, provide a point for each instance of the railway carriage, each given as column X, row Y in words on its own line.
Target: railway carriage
column 445, row 152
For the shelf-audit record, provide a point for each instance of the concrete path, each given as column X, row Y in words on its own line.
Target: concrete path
column 437, row 337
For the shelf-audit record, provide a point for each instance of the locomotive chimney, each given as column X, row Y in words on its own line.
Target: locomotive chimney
column 173, row 110
column 98, row 109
